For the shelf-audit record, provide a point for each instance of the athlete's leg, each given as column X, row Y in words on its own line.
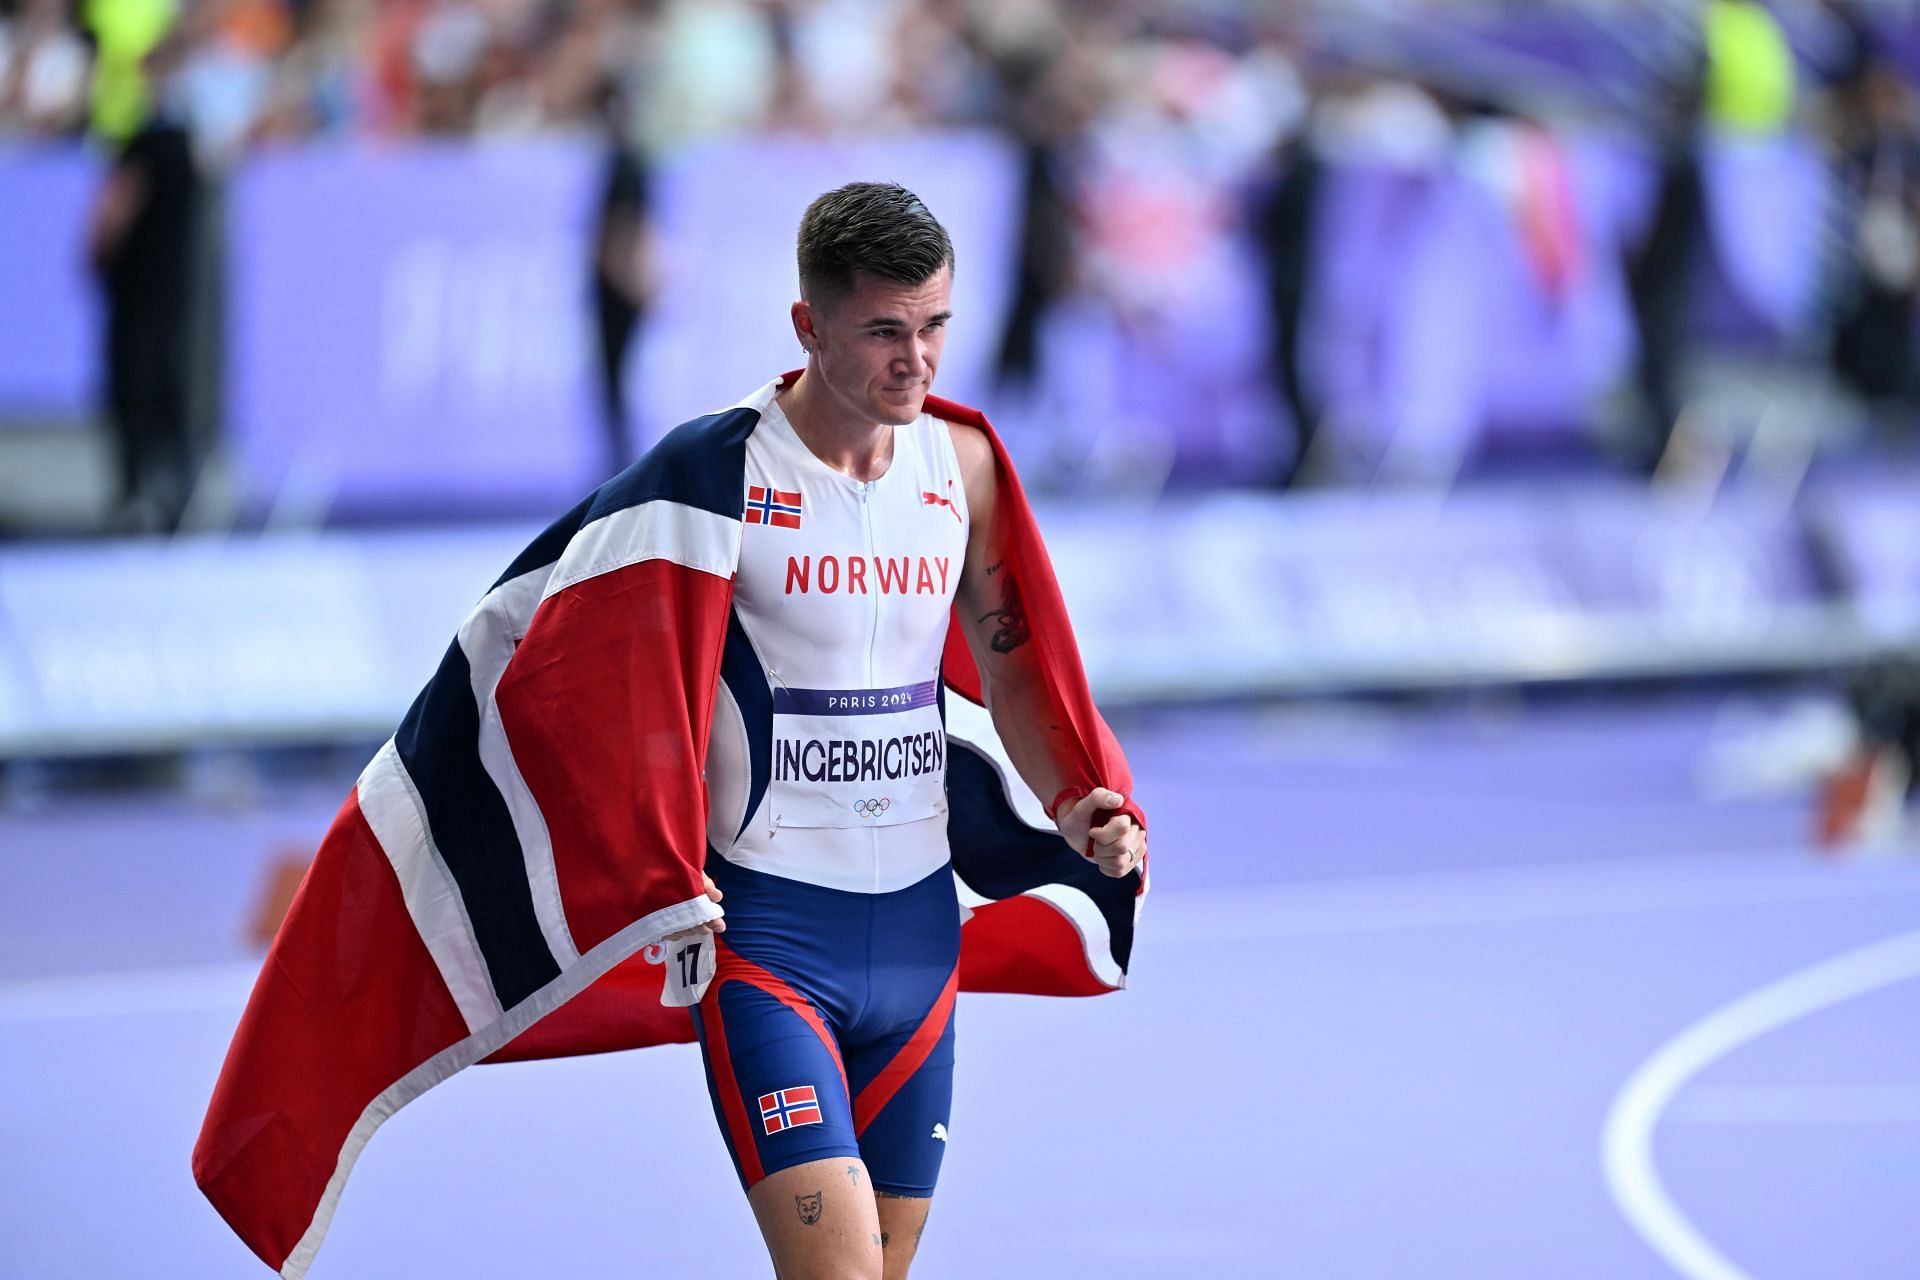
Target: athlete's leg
column 903, row 1219
column 780, row 1096
column 899, row 1061
column 819, row 1221
column 902, row 1091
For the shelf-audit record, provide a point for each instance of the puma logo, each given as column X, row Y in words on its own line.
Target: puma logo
column 928, row 498
column 940, row 1131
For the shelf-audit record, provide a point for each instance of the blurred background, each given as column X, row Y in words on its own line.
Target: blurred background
column 1477, row 439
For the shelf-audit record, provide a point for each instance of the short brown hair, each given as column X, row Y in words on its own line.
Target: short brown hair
column 877, row 227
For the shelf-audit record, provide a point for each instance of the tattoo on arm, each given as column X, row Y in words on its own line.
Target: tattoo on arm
column 809, row 1207
column 884, row 1239
column 1012, row 616
column 996, row 567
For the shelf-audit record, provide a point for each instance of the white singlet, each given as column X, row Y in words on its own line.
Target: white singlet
column 843, row 595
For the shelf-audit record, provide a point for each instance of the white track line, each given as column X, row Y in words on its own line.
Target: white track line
column 1627, row 1140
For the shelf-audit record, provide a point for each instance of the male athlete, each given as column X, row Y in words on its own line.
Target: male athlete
column 828, row 1030
column 724, row 672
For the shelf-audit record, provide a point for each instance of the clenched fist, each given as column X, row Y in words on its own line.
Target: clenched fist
column 1119, row 844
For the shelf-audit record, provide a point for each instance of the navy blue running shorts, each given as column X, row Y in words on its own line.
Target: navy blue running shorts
column 828, row 1028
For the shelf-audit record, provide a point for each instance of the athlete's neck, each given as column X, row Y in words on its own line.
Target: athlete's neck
column 848, row 442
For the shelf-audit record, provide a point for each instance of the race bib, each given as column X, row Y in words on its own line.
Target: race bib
column 689, row 965
column 857, row 757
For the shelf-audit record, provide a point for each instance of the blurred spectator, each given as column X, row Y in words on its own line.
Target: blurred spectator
column 1879, row 169
column 1284, row 216
column 622, row 271
column 716, row 71
column 1047, row 111
column 447, row 57
column 322, row 84
column 1660, row 265
column 1171, row 276
column 124, row 33
column 1731, row 77
column 939, row 75
column 1841, row 44
column 1393, row 130
column 833, row 63
column 140, row 243
column 225, row 80
column 1749, row 68
column 1865, row 801
column 795, row 104
column 44, row 69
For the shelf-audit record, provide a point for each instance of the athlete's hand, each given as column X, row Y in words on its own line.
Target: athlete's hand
column 1119, row 844
column 711, row 926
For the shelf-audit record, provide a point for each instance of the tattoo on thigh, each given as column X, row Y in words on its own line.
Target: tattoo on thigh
column 881, row 1239
column 1012, row 616
column 890, row 1195
column 809, row 1207
column 853, row 1174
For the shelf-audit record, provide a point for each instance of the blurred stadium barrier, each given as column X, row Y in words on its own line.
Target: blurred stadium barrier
column 291, row 638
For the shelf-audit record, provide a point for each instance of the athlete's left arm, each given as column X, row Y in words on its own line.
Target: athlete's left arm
column 994, row 618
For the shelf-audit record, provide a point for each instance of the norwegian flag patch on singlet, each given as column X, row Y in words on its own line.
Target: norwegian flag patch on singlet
column 777, row 507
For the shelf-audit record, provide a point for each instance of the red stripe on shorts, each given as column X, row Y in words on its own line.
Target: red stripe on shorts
column 731, row 966
column 732, row 1103
column 913, row 1054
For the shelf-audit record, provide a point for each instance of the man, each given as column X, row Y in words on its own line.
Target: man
column 140, row 243
column 842, row 921
column 622, row 267
column 725, row 674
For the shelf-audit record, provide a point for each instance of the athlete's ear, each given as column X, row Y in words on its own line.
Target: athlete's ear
column 803, row 326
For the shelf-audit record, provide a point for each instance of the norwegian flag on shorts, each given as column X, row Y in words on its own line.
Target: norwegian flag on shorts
column 779, row 507
column 789, row 1108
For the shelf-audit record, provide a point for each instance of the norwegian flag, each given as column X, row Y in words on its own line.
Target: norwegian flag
column 538, row 818
column 778, row 507
column 789, row 1108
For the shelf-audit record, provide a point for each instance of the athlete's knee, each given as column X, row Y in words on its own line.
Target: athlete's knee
column 903, row 1218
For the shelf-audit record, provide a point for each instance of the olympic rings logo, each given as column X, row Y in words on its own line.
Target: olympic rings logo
column 872, row 808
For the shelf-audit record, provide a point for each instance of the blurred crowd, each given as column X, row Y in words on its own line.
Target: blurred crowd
column 1173, row 152
column 254, row 71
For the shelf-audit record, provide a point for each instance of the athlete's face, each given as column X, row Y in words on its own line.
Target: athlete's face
column 876, row 346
